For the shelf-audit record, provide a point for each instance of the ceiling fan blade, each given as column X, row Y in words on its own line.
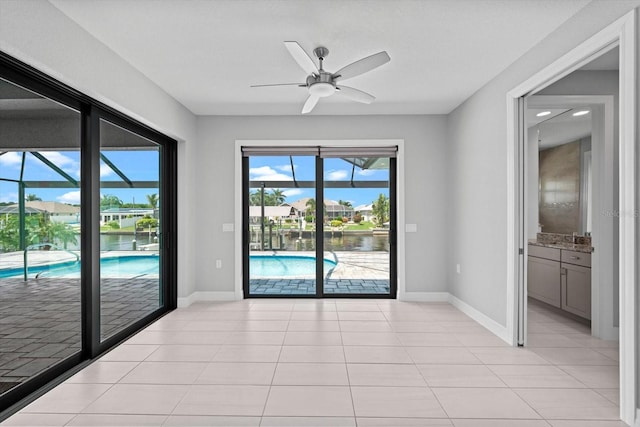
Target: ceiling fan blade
column 281, row 84
column 355, row 94
column 311, row 102
column 362, row 66
column 304, row 61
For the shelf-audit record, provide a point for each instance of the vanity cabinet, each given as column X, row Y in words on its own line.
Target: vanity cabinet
column 543, row 276
column 575, row 283
column 561, row 278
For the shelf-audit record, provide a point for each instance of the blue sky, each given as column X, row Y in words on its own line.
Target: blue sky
column 136, row 165
column 278, row 168
column 143, row 166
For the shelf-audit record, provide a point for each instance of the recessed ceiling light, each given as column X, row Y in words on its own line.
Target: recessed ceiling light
column 543, row 113
column 580, row 113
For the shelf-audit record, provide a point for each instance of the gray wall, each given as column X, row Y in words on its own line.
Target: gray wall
column 477, row 166
column 212, row 169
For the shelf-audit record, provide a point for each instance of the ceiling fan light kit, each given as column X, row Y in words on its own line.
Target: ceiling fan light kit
column 321, row 84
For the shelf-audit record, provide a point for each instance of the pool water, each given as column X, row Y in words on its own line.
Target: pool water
column 126, row 265
column 285, row 266
column 135, row 265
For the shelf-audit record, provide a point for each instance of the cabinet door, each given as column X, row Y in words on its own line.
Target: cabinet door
column 543, row 280
column 576, row 290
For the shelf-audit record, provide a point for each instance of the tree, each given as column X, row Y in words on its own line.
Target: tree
column 153, row 200
column 32, row 198
column 380, row 210
column 345, row 203
column 311, row 207
column 39, row 229
column 110, row 201
column 278, row 196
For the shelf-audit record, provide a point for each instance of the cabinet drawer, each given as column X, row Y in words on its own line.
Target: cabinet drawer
column 576, row 258
column 544, row 252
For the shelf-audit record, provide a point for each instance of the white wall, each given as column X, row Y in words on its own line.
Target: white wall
column 426, row 188
column 37, row 33
column 478, row 166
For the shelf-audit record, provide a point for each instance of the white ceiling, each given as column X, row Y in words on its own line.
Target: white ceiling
column 206, row 53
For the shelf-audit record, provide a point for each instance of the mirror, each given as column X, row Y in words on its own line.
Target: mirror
column 562, row 139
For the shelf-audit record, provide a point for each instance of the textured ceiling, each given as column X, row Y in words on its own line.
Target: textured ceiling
column 206, row 53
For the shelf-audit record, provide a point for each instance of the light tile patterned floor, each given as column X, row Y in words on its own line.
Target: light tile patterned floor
column 340, row 363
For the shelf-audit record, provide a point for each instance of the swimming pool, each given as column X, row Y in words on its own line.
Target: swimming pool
column 117, row 266
column 285, row 265
column 137, row 265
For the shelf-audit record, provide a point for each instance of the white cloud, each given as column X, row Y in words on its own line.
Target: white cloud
column 9, row 198
column 66, row 163
column 105, row 170
column 292, row 192
column 286, row 168
column 365, row 172
column 72, row 197
column 337, row 175
column 12, row 158
column 58, row 159
column 266, row 173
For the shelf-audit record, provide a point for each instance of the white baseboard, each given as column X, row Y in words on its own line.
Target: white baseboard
column 424, row 296
column 493, row 326
column 484, row 320
column 206, row 296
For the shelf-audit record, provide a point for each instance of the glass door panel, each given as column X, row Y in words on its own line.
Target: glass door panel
column 281, row 225
column 40, row 234
column 130, row 210
column 357, row 219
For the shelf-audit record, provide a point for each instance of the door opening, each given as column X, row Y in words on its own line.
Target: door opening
column 319, row 222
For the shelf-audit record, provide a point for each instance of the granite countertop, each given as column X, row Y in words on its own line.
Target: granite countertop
column 562, row 245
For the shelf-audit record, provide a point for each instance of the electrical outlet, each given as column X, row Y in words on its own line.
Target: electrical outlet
column 458, row 268
column 218, row 263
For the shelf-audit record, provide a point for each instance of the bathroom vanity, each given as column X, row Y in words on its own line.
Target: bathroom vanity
column 559, row 274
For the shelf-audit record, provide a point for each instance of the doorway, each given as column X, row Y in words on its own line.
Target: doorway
column 319, row 222
column 619, row 34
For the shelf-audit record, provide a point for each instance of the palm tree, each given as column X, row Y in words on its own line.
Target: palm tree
column 278, row 196
column 152, row 199
column 345, row 203
column 110, row 201
column 32, row 198
column 311, row 207
column 380, row 210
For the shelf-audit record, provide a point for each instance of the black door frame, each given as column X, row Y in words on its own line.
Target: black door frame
column 319, row 243
column 91, row 112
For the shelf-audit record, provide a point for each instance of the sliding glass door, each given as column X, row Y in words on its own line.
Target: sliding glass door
column 280, row 225
column 87, row 228
column 319, row 222
column 358, row 225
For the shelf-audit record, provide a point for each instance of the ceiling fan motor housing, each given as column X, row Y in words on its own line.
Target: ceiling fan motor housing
column 321, row 85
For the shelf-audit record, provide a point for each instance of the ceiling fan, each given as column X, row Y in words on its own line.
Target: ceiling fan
column 321, row 83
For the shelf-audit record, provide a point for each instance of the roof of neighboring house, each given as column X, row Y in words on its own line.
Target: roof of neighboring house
column 271, row 211
column 127, row 210
column 14, row 209
column 363, row 208
column 52, row 207
column 330, row 205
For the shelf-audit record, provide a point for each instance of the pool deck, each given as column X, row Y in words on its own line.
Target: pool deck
column 356, row 272
column 40, row 318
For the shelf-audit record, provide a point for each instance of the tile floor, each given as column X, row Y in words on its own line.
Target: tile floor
column 339, row 363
